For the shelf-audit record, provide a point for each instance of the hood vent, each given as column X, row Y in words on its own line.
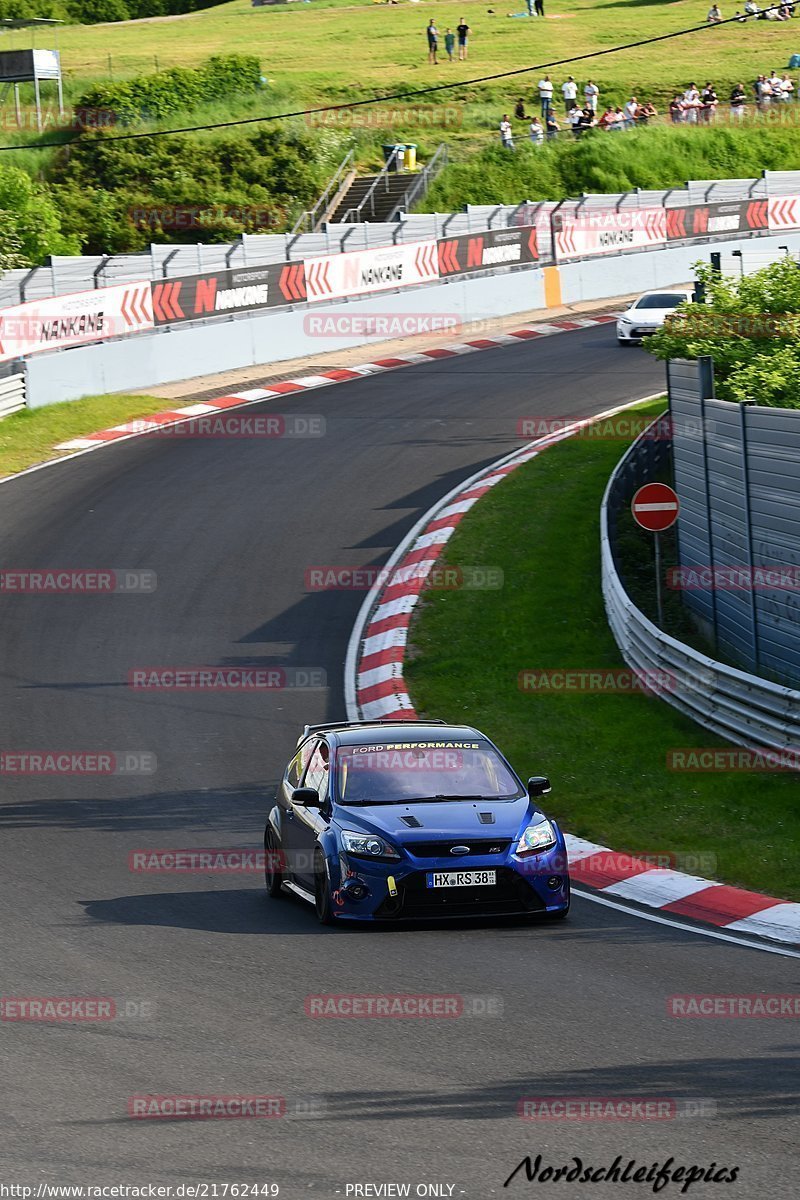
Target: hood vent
column 411, row 822
column 486, row 818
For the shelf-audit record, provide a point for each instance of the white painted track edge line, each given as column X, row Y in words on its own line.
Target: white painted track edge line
column 703, row 932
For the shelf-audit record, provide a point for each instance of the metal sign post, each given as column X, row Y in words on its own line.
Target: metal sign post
column 655, row 507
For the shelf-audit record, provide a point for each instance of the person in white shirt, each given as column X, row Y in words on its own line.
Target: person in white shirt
column 714, row 15
column 506, row 135
column 569, row 91
column 787, row 89
column 631, row 111
column 545, row 95
column 751, row 8
column 536, row 131
column 691, row 103
column 574, row 118
column 591, row 92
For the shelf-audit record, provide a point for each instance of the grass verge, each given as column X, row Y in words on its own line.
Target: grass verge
column 605, row 753
column 30, row 437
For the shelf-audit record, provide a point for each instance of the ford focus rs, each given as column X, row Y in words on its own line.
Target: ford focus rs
column 412, row 820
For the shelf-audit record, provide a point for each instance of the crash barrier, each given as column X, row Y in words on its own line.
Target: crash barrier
column 450, row 308
column 12, row 394
column 741, row 707
column 737, row 473
column 540, row 234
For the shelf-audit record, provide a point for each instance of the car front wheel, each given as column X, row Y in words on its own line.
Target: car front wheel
column 322, row 890
column 273, row 876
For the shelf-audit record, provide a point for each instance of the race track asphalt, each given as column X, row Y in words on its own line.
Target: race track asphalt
column 230, row 527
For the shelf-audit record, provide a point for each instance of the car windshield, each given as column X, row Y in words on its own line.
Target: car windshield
column 397, row 772
column 660, row 300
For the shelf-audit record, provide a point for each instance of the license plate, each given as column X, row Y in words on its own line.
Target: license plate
column 436, row 879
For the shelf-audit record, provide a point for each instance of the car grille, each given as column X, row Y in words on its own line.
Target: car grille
column 511, row 896
column 442, row 849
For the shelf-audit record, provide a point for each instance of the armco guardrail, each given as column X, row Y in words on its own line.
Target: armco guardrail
column 742, row 708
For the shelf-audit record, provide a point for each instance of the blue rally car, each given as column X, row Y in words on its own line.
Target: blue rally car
column 412, row 820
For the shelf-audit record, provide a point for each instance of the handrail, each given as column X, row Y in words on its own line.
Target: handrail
column 308, row 220
column 418, row 189
column 355, row 215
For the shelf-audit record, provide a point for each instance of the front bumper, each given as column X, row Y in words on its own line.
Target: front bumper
column 524, row 887
column 635, row 333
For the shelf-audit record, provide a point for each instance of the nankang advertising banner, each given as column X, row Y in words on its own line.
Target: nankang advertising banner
column 332, row 276
column 482, row 251
column 716, row 220
column 216, row 293
column 74, row 319
column 608, row 231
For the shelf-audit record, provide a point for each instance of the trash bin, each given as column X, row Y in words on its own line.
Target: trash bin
column 393, row 155
column 411, row 156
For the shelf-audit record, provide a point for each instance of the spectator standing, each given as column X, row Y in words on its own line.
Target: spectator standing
column 591, row 93
column 536, row 131
column 551, row 125
column 763, row 93
column 586, row 119
column 463, row 30
column 506, row 133
column 569, row 90
column 714, row 15
column 710, row 101
column 433, row 41
column 787, row 89
column 449, row 43
column 539, row 6
column 691, row 103
column 646, row 112
column 738, row 101
column 574, row 117
column 776, row 83
column 676, row 110
column 545, row 95
column 631, row 112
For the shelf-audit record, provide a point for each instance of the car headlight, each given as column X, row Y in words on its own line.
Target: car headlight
column 368, row 845
column 625, row 321
column 536, row 838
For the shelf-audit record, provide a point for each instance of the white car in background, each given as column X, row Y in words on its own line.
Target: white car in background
column 647, row 314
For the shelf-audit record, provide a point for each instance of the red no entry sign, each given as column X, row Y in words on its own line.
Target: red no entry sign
column 655, row 507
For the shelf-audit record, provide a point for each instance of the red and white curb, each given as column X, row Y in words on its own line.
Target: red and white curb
column 375, row 689
column 144, row 425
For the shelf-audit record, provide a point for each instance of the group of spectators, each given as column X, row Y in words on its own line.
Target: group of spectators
column 694, row 107
column 577, row 119
column 770, row 12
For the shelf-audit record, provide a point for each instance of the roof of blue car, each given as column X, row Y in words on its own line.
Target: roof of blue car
column 404, row 731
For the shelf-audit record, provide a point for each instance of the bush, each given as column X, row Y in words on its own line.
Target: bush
column 755, row 358
column 30, row 222
column 180, row 89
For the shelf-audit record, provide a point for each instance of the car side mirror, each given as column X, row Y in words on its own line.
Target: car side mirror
column 538, row 785
column 306, row 797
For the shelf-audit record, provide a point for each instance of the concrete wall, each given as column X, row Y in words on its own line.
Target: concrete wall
column 147, row 360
